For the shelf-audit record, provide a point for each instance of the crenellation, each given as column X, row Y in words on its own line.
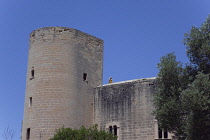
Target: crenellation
column 50, row 32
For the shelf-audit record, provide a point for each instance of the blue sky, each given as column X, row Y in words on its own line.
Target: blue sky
column 136, row 34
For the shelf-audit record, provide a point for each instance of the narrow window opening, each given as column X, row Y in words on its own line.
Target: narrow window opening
column 84, row 76
column 110, row 129
column 115, row 130
column 30, row 101
column 159, row 133
column 32, row 73
column 165, row 134
column 28, row 134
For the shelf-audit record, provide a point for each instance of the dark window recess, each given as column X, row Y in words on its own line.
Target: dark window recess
column 84, row 76
column 151, row 84
column 159, row 133
column 110, row 129
column 30, row 101
column 165, row 134
column 32, row 73
column 28, row 134
column 115, row 130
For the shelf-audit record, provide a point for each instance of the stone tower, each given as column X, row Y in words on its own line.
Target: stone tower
column 64, row 66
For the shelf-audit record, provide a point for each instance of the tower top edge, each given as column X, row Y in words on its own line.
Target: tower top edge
column 61, row 29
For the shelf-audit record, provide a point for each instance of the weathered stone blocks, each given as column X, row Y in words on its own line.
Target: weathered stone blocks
column 59, row 94
column 128, row 105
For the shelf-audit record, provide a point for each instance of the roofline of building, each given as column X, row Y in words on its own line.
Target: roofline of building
column 128, row 81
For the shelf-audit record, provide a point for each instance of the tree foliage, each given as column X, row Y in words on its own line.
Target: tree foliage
column 167, row 99
column 198, row 46
column 196, row 101
column 182, row 100
column 83, row 133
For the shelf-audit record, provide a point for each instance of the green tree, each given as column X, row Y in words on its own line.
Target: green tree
column 196, row 101
column 83, row 133
column 198, row 46
column 182, row 101
column 167, row 99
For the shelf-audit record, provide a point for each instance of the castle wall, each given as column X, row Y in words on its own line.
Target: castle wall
column 127, row 105
column 66, row 66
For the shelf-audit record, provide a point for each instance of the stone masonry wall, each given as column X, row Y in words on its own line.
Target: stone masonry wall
column 128, row 105
column 67, row 65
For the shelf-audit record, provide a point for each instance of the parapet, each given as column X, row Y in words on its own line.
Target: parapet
column 150, row 80
column 43, row 34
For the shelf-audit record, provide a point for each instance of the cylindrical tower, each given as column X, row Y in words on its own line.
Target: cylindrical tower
column 64, row 65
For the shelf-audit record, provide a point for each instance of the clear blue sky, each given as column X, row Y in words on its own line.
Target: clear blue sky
column 136, row 34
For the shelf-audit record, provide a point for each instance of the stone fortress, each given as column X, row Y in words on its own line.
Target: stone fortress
column 64, row 88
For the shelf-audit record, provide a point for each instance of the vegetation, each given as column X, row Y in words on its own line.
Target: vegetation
column 182, row 100
column 83, row 133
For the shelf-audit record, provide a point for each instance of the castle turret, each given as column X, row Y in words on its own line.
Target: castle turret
column 64, row 65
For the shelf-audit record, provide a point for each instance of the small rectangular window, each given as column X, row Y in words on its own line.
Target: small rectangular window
column 110, row 129
column 28, row 134
column 115, row 130
column 32, row 73
column 159, row 133
column 30, row 101
column 165, row 134
column 84, row 76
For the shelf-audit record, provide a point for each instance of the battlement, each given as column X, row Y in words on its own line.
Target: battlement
column 65, row 32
